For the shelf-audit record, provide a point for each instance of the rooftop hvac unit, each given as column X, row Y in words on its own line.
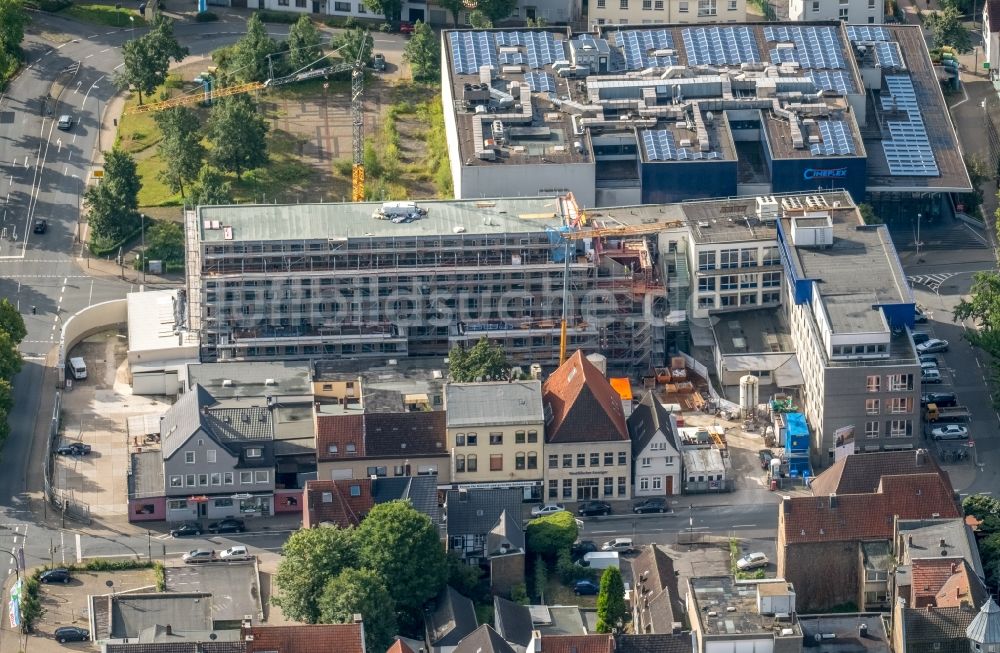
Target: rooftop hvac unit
column 685, row 142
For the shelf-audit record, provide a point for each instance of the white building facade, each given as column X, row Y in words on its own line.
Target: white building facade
column 849, row 11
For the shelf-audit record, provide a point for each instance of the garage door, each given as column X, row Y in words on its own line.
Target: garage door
column 155, row 383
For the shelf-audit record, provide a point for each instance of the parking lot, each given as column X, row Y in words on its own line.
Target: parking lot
column 95, row 412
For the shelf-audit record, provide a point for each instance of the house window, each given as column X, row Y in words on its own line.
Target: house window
column 729, row 282
column 601, row 4
column 327, row 497
column 496, row 438
column 553, row 489
column 351, row 448
column 460, row 440
column 609, row 458
column 518, row 461
column 658, row 5
column 472, row 439
column 770, row 279
column 567, row 488
column 567, row 460
column 355, row 490
column 900, row 382
column 177, row 504
column 900, row 405
column 748, row 257
column 532, row 460
column 263, row 476
column 843, row 13
column 398, row 470
column 622, row 458
column 900, row 428
column 361, row 7
column 623, row 4
column 622, row 488
column 227, row 478
column 873, row 383
column 872, row 406
column 223, row 503
column 202, row 479
column 377, row 471
column 189, row 457
column 532, row 437
column 644, row 483
column 496, row 462
column 581, row 460
column 706, row 302
column 609, row 486
column 706, row 260
column 210, row 455
column 647, row 5
column 732, row 5
column 728, row 258
column 216, row 478
column 282, row 3
column 646, row 462
column 657, row 483
column 254, row 452
column 246, row 478
column 459, row 463
column 669, row 460
column 595, row 459
column 176, row 481
column 190, row 480
column 519, row 437
column 816, row 6
column 553, row 461
column 332, row 448
column 471, row 463
column 706, row 284
column 342, row 6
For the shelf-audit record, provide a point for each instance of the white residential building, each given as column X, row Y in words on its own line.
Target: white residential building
column 991, row 36
column 656, row 461
column 850, row 11
column 658, row 12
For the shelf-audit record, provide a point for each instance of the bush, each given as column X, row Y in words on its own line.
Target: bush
column 385, row 27
column 278, row 17
column 206, row 17
column 569, row 572
column 53, row 6
column 519, row 594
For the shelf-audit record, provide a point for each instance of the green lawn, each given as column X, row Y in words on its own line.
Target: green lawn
column 104, row 15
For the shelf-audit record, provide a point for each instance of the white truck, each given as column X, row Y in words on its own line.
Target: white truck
column 601, row 559
column 77, row 368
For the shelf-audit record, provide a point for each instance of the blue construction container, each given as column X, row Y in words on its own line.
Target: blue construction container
column 797, row 435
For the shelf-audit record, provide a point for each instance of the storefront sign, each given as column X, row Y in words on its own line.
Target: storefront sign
column 818, row 173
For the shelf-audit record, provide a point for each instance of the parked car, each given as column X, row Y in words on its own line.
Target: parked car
column 65, row 123
column 235, row 553
column 227, row 525
column 950, row 432
column 942, row 399
column 41, row 226
column 187, row 529
column 378, row 61
column 65, row 634
column 55, row 576
column 582, row 548
column 932, row 346
column 919, row 316
column 927, row 365
column 930, row 376
column 652, row 504
column 196, row 556
column 590, row 508
column 547, row 509
column 919, row 337
column 929, row 358
column 750, row 561
column 405, row 27
column 585, row 587
column 618, row 544
column 765, row 456
column 74, row 449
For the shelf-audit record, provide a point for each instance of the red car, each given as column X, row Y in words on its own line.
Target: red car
column 405, row 28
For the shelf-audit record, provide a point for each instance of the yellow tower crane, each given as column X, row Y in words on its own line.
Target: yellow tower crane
column 357, row 69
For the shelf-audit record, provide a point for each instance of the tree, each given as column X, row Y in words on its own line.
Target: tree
column 403, row 547
column 496, row 10
column 312, row 557
column 391, row 9
column 180, row 148
column 983, row 307
column 247, row 61
column 165, row 242
column 423, row 52
column 13, row 19
column 980, row 506
column 979, row 174
column 351, row 42
column 947, row 30
column 868, row 214
column 360, row 591
column 454, row 7
column 147, row 58
column 211, row 188
column 549, row 535
column 238, row 135
column 303, row 43
column 162, row 40
column 10, row 357
column 541, row 579
column 112, row 204
column 464, row 578
column 11, row 321
column 483, row 362
column 479, row 20
column 611, row 609
column 6, row 398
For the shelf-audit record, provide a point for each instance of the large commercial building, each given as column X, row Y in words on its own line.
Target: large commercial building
column 653, row 114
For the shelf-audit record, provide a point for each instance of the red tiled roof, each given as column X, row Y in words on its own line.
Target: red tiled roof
column 399, row 646
column 578, row 644
column 580, row 404
column 343, row 509
column 862, row 517
column 325, row 638
column 861, row 472
column 941, row 583
column 380, row 435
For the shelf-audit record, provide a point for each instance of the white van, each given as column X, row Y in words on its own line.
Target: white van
column 601, row 559
column 390, row 210
column 78, row 368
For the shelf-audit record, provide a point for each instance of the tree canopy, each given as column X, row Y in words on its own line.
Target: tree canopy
column 13, row 20
column 391, row 9
column 496, row 10
column 304, row 43
column 238, row 135
column 311, row 558
column 549, row 535
column 612, row 611
column 180, row 148
column 351, row 42
column 360, row 591
column 454, row 7
column 482, row 362
column 165, row 242
column 147, row 58
column 211, row 188
column 947, row 29
column 112, row 205
column 11, row 321
column 983, row 308
column 247, row 60
column 423, row 52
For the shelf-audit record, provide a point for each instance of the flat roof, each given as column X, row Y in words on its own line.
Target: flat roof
column 757, row 331
column 152, row 323
column 261, row 222
column 231, row 380
column 843, row 633
column 235, row 588
column 493, row 404
column 702, row 460
column 728, row 607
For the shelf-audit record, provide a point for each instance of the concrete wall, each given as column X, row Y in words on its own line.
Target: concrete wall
column 138, row 509
column 506, row 572
column 91, row 320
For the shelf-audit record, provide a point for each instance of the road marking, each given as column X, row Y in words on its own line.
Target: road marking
column 79, row 550
column 744, row 526
column 89, row 56
column 104, row 50
column 92, row 36
column 119, row 66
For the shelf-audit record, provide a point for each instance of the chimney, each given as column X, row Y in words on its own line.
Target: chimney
column 357, row 618
column 943, row 542
column 169, row 630
column 833, row 500
column 863, row 630
column 909, row 540
column 921, row 457
column 536, row 636
column 954, row 567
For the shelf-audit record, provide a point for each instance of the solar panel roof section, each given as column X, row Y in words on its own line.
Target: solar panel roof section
column 867, row 33
column 836, row 81
column 815, row 47
column 835, row 139
column 717, row 46
column 908, row 150
column 888, row 54
column 470, row 50
column 540, row 82
column 659, row 146
column 638, row 45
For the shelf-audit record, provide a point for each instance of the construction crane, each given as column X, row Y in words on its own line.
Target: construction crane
column 577, row 217
column 357, row 69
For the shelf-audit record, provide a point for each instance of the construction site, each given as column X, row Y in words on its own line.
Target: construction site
column 395, row 279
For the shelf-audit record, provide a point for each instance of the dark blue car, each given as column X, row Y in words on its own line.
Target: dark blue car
column 582, row 587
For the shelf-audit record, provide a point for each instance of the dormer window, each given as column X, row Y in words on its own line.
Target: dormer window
column 351, row 448
column 254, row 452
column 355, row 490
column 332, row 448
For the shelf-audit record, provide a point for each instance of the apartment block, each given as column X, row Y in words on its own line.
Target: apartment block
column 658, row 12
column 849, row 11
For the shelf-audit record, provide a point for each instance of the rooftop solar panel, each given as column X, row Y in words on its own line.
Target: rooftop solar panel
column 815, row 47
column 540, row 82
column 835, row 139
column 638, row 45
column 835, row 81
column 718, row 46
column 868, row 33
column 659, row 146
column 888, row 55
column 907, row 150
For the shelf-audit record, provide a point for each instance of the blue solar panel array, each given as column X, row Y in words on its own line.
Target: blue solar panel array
column 888, row 54
column 835, row 81
column 836, row 139
column 470, row 50
column 540, row 82
column 718, row 46
column 857, row 33
column 815, row 47
column 908, row 152
column 659, row 146
column 637, row 46
column 511, row 58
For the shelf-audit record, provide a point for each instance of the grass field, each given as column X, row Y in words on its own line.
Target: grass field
column 104, row 15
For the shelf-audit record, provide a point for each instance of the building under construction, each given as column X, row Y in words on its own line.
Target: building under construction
column 387, row 280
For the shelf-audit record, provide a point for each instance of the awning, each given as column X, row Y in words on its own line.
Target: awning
column 789, row 374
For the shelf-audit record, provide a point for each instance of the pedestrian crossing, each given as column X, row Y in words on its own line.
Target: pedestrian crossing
column 932, row 282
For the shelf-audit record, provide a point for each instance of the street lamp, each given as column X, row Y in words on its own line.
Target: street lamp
column 919, row 216
column 17, row 562
column 142, row 216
